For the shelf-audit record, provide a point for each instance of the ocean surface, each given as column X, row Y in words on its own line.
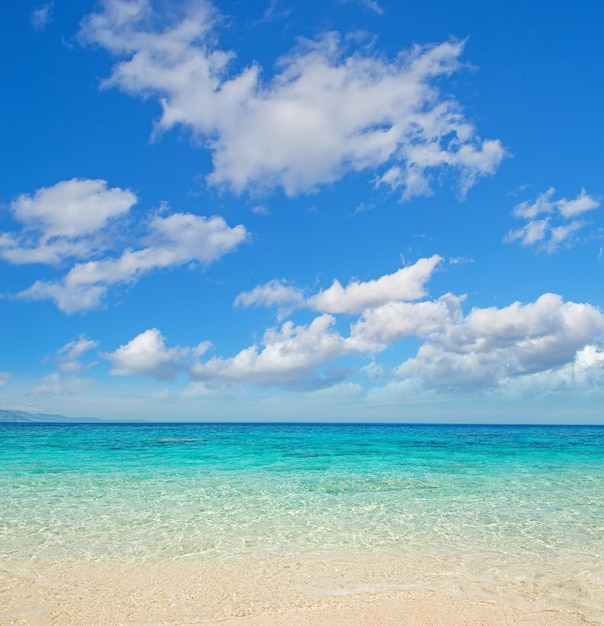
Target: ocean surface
column 495, row 511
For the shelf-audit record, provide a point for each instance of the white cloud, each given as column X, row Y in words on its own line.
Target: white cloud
column 533, row 232
column 69, row 361
column 558, row 227
column 69, row 357
column 393, row 321
column 292, row 355
column 548, row 316
column 324, row 113
column 174, row 240
column 63, row 221
column 186, row 237
column 407, row 283
column 339, row 392
column 491, row 345
column 288, row 357
column 585, row 373
column 582, row 203
column 274, row 293
column 542, row 204
column 68, row 298
column 147, row 354
column 372, row 5
column 4, row 377
column 208, row 389
column 77, row 348
column 21, row 250
column 375, row 371
column 589, row 364
column 460, row 260
column 58, row 385
column 76, row 220
column 561, row 234
column 72, row 207
column 41, row 16
column 492, row 349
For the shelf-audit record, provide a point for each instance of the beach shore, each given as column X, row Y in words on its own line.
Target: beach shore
column 201, row 524
column 242, row 592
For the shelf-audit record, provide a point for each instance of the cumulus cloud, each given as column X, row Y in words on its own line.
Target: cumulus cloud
column 72, row 219
column 177, row 239
column 585, row 373
column 4, row 376
column 287, row 357
column 381, row 326
column 147, row 355
column 551, row 223
column 325, row 112
column 487, row 349
column 491, row 345
column 407, row 283
column 293, row 355
column 63, row 221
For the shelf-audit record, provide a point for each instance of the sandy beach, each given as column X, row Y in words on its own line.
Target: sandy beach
column 255, row 594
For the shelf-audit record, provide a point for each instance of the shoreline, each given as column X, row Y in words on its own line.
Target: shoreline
column 297, row 526
column 250, row 592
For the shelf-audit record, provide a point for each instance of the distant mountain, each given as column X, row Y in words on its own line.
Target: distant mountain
column 24, row 416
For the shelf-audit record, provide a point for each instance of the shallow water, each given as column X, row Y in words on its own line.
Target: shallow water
column 495, row 511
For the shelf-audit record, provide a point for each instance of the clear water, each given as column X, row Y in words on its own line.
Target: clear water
column 506, row 509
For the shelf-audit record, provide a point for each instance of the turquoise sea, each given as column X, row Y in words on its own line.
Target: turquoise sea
column 511, row 511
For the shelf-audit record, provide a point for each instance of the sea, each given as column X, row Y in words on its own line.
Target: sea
column 491, row 511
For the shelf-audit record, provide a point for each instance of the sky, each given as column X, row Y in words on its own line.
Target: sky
column 345, row 210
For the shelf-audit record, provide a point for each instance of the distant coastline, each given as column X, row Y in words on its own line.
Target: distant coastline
column 25, row 417
column 8, row 416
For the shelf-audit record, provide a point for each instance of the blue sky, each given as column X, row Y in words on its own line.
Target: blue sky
column 341, row 210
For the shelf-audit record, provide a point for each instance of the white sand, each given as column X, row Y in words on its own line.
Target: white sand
column 241, row 592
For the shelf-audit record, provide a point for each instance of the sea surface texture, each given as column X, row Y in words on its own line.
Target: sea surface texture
column 513, row 512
